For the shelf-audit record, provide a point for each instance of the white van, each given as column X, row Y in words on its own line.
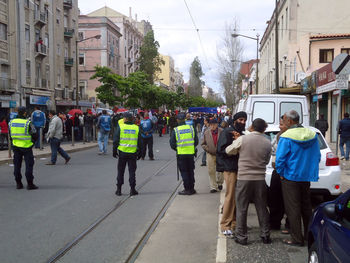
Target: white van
column 270, row 107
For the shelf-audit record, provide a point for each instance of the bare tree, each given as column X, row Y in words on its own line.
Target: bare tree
column 229, row 56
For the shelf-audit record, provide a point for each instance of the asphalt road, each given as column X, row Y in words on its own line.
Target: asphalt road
column 36, row 224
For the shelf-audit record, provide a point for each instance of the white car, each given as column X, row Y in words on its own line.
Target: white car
column 329, row 168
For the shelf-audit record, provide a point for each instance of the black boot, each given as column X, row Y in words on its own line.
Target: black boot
column 133, row 191
column 31, row 185
column 119, row 190
column 19, row 184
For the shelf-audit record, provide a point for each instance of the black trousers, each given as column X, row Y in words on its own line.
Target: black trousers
column 147, row 142
column 186, row 167
column 275, row 202
column 131, row 162
column 297, row 203
column 18, row 155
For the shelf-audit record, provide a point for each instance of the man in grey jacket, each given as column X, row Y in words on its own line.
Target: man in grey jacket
column 54, row 136
column 254, row 154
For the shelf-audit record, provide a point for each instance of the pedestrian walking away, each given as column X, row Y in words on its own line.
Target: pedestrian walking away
column 344, row 131
column 184, row 140
column 254, row 154
column 3, row 132
column 38, row 119
column 104, row 126
column 228, row 164
column 209, row 144
column 322, row 125
column 127, row 146
column 146, row 130
column 23, row 134
column 54, row 137
column 204, row 128
column 297, row 162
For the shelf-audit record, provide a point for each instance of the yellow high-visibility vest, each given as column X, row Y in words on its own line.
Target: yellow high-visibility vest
column 185, row 139
column 19, row 129
column 129, row 134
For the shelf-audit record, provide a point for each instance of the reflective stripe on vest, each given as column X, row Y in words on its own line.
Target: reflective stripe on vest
column 19, row 129
column 184, row 139
column 129, row 134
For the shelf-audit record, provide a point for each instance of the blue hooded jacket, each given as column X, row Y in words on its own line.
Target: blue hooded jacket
column 298, row 155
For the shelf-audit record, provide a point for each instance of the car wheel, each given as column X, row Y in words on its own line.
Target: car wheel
column 313, row 255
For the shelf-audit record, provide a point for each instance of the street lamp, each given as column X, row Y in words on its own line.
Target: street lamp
column 77, row 66
column 257, row 56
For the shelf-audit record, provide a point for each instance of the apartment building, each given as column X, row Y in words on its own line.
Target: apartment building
column 167, row 74
column 298, row 22
column 178, row 79
column 99, row 45
column 131, row 39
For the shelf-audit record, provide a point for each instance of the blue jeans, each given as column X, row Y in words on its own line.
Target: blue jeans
column 56, row 147
column 345, row 141
column 37, row 142
column 103, row 140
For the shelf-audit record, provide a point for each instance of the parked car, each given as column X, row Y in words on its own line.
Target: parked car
column 329, row 168
column 329, row 231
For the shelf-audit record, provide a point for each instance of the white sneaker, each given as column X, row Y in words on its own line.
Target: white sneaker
column 342, row 157
column 227, row 233
column 100, row 153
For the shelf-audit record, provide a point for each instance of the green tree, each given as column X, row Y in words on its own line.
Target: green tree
column 150, row 60
column 110, row 85
column 196, row 72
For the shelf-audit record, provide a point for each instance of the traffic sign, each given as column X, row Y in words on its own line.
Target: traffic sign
column 342, row 81
column 341, row 64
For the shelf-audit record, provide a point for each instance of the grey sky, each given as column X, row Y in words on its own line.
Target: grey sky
column 175, row 31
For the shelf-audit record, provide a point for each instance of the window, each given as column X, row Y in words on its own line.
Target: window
column 326, row 55
column 345, row 50
column 46, row 40
column 28, row 68
column 82, row 59
column 58, row 16
column 80, row 35
column 26, row 3
column 288, row 106
column 3, row 31
column 264, row 110
column 27, row 33
column 58, row 49
column 37, row 34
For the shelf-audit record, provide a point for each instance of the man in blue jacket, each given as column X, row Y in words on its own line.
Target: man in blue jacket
column 297, row 160
column 344, row 131
column 104, row 126
column 39, row 120
column 146, row 130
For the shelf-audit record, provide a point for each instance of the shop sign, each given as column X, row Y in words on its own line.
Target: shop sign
column 336, row 92
column 5, row 97
column 12, row 103
column 320, row 97
column 326, row 88
column 315, row 98
column 325, row 75
column 65, row 103
column 38, row 100
column 83, row 103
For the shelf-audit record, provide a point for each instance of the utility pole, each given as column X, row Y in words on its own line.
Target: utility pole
column 277, row 88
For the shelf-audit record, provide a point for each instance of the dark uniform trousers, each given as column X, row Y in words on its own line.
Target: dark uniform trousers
column 186, row 167
column 257, row 192
column 297, row 203
column 129, row 160
column 18, row 155
column 147, row 142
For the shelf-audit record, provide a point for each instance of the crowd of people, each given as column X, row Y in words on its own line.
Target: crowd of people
column 232, row 154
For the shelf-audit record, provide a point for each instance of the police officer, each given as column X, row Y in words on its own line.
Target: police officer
column 184, row 141
column 38, row 119
column 126, row 145
column 23, row 133
column 146, row 129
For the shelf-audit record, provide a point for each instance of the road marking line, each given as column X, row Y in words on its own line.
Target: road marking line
column 221, row 247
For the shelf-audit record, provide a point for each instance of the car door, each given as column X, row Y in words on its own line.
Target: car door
column 336, row 241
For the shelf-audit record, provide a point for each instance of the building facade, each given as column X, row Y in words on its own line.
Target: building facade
column 131, row 39
column 297, row 22
column 103, row 51
column 167, row 74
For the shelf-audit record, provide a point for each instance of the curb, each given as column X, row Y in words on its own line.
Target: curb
column 10, row 160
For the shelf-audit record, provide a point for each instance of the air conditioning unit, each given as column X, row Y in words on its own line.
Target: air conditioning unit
column 299, row 76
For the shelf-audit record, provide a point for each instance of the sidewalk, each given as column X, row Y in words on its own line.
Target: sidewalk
column 189, row 229
column 79, row 146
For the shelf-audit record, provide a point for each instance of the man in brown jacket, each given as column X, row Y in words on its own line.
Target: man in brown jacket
column 254, row 154
column 209, row 143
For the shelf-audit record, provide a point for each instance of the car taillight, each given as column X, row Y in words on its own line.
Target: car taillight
column 332, row 159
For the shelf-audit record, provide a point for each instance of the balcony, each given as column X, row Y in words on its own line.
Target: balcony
column 7, row 84
column 40, row 19
column 40, row 50
column 67, row 4
column 68, row 32
column 130, row 43
column 68, row 62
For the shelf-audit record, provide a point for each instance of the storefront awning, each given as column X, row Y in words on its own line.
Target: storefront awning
column 295, row 89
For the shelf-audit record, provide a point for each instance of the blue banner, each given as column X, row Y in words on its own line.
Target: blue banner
column 38, row 100
column 203, row 110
